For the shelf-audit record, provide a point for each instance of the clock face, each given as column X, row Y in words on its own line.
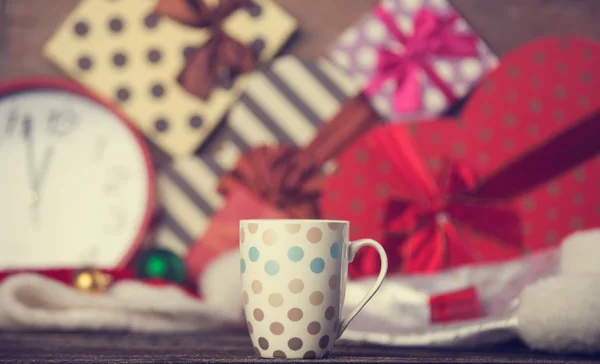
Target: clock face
column 75, row 187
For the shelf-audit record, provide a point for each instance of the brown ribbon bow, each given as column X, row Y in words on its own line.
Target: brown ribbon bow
column 291, row 178
column 221, row 58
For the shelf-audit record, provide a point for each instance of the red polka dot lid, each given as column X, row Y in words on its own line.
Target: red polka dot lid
column 515, row 172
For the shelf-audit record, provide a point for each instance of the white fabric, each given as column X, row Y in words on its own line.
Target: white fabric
column 546, row 298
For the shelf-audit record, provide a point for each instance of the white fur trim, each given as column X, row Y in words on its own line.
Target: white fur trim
column 580, row 252
column 561, row 314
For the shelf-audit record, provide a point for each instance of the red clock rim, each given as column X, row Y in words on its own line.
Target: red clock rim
column 56, row 83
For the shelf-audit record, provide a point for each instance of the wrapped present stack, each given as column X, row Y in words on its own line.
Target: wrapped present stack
column 248, row 131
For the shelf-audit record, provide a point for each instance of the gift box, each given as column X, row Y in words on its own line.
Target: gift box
column 515, row 172
column 174, row 66
column 413, row 58
column 285, row 104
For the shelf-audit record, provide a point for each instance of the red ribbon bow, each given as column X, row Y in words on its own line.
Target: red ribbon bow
column 433, row 35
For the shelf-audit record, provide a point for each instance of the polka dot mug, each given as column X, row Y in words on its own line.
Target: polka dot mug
column 294, row 276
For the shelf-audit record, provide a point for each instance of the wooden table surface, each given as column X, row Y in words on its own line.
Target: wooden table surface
column 25, row 25
column 214, row 347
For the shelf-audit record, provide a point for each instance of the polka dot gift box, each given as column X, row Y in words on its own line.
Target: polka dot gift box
column 517, row 171
column 284, row 109
column 174, row 68
column 414, row 58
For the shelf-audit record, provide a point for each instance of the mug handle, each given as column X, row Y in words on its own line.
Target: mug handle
column 355, row 247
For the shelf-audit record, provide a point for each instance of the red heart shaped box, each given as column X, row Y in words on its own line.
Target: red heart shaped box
column 515, row 172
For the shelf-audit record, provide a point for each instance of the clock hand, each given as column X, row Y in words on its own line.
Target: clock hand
column 30, row 156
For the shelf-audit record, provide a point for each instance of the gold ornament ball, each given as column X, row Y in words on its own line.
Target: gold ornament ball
column 91, row 280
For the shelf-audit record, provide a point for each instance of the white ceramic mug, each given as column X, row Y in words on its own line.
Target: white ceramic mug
column 294, row 275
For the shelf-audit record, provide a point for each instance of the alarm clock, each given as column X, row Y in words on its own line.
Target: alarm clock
column 77, row 185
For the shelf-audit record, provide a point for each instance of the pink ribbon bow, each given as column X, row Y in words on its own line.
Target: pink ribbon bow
column 433, row 35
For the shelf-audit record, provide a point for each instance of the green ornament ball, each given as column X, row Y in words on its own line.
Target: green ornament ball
column 163, row 264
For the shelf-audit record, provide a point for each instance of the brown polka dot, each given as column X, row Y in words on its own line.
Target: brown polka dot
column 333, row 225
column 257, row 287
column 552, row 213
column 537, row 82
column 157, row 90
column 151, row 20
column 435, row 138
column 161, row 125
column 314, row 328
column 538, row 58
column 81, row 28
column 329, row 312
column 324, row 342
column 242, row 235
column 560, row 92
column 508, row 144
column 485, row 134
column 279, row 354
column 483, row 158
column 188, row 52
column 434, row 162
column 576, row 222
column 226, row 81
column 486, row 110
column 115, row 25
column 246, row 298
column 551, row 237
column 259, row 315
column 553, row 189
column 359, row 181
column 584, row 102
column 119, row 59
column 314, row 235
column 561, row 68
column 292, row 228
column 269, row 237
column 154, row 56
column 382, row 191
column 295, row 343
column 585, row 77
column 535, row 106
column 587, row 53
column 459, row 149
column 333, row 282
column 277, row 328
column 256, row 351
column 296, row 286
column 263, row 343
column 488, row 86
column 579, row 175
column 254, row 10
column 577, row 199
column 558, row 115
column 310, row 355
column 511, row 96
column 275, row 299
column 326, row 355
column 196, row 121
column 533, row 130
column 316, row 298
column 362, row 156
column 123, row 94
column 529, row 204
column 356, row 206
column 295, row 314
column 257, row 46
column 84, row 63
column 513, row 72
column 250, row 328
column 510, row 120
column 252, row 228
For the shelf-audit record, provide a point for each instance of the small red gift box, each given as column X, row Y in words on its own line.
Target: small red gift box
column 513, row 173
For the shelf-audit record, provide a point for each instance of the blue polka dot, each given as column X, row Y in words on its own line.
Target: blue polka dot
column 295, row 254
column 243, row 266
column 335, row 250
column 272, row 267
column 317, row 265
column 253, row 254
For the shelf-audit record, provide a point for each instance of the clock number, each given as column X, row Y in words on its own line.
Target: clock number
column 62, row 122
column 116, row 220
column 11, row 122
column 118, row 176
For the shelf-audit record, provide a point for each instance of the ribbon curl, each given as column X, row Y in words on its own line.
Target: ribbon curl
column 221, row 59
column 290, row 178
column 433, row 35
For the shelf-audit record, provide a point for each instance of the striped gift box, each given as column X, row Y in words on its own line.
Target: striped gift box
column 284, row 103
